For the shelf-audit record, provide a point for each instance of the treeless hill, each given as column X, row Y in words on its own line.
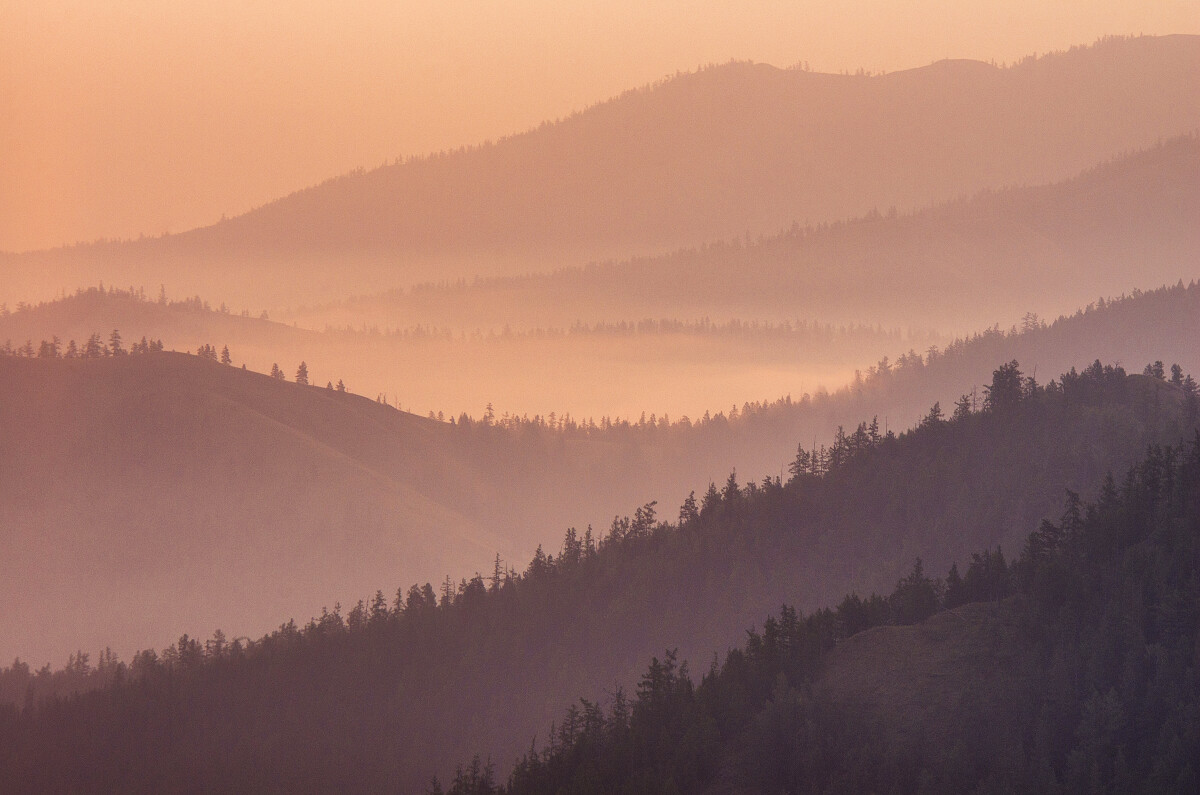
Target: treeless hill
column 733, row 149
column 653, row 459
column 918, row 685
column 142, row 493
column 139, row 490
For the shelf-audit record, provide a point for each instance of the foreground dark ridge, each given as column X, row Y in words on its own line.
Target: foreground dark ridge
column 1073, row 669
column 396, row 691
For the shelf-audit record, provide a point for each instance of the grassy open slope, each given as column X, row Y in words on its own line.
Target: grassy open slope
column 916, row 684
column 161, row 457
column 137, row 491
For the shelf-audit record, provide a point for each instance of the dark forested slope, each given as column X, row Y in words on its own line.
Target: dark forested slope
column 1073, row 669
column 395, row 691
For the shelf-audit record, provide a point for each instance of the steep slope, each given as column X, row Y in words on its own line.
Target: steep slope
column 139, row 491
column 497, row 489
column 391, row 696
column 1134, row 220
column 732, row 149
column 1077, row 675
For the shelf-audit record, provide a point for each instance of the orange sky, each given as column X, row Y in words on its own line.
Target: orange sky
column 120, row 118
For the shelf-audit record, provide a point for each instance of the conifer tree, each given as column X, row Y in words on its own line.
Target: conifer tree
column 688, row 512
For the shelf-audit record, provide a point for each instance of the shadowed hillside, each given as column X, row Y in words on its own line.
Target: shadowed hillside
column 1070, row 670
column 181, row 487
column 733, row 149
column 395, row 692
column 210, row 495
column 138, row 457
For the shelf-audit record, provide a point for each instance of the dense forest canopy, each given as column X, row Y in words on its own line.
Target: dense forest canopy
column 401, row 685
column 1096, row 625
column 758, row 430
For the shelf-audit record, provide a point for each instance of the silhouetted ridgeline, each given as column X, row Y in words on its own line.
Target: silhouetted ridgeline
column 1133, row 220
column 1131, row 329
column 732, row 149
column 1078, row 675
column 659, row 366
column 398, row 688
column 271, row 462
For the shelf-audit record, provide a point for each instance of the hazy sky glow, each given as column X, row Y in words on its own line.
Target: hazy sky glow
column 120, row 118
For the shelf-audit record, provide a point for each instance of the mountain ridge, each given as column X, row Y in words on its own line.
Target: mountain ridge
column 690, row 160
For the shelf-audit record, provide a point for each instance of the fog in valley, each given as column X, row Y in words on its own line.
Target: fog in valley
column 393, row 469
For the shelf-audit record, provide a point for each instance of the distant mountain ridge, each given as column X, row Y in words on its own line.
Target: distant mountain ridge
column 155, row 458
column 731, row 149
column 1134, row 219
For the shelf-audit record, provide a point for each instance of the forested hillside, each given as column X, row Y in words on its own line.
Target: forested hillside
column 497, row 483
column 730, row 150
column 397, row 689
column 653, row 365
column 1132, row 221
column 1072, row 669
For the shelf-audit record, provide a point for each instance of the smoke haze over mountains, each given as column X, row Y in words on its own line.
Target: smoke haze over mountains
column 391, row 469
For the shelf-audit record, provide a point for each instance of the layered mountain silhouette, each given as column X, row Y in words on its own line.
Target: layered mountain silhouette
column 216, row 497
column 991, row 258
column 605, row 369
column 396, row 694
column 734, row 149
column 544, row 343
